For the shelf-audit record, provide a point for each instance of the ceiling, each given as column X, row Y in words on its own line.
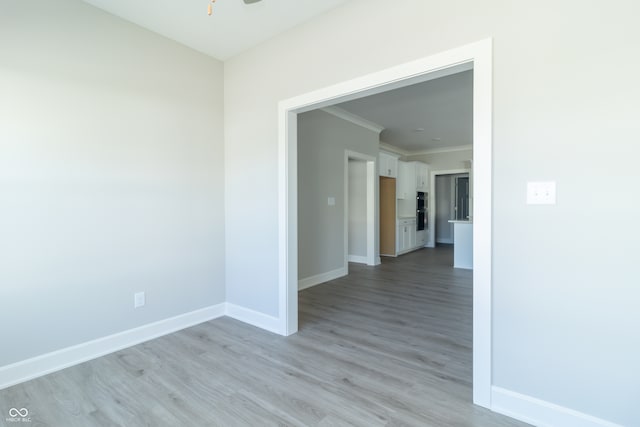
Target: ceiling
column 232, row 28
column 442, row 108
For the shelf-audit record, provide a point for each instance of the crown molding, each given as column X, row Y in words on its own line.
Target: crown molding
column 367, row 124
column 442, row 150
column 356, row 120
column 393, row 149
column 406, row 153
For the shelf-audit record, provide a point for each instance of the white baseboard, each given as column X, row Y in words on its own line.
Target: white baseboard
column 308, row 282
column 539, row 412
column 358, row 259
column 51, row 362
column 255, row 318
column 445, row 241
column 378, row 261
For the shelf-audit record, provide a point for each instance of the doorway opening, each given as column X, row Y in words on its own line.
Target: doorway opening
column 477, row 56
column 360, row 242
column 446, row 207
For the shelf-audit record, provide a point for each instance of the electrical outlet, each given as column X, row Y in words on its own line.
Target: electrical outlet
column 138, row 299
column 541, row 193
column 331, row 201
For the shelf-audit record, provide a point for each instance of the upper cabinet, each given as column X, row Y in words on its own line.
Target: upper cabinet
column 406, row 185
column 422, row 176
column 412, row 177
column 387, row 165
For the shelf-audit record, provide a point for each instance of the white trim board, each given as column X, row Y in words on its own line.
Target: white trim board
column 358, row 259
column 60, row 359
column 445, row 241
column 371, row 201
column 310, row 281
column 252, row 317
column 479, row 56
column 393, row 149
column 441, row 150
column 407, row 153
column 539, row 412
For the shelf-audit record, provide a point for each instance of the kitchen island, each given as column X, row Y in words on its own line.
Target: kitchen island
column 462, row 244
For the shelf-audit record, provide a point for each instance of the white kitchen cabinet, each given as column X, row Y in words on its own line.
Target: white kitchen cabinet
column 412, row 236
column 406, row 180
column 406, row 235
column 412, row 177
column 422, row 176
column 421, row 238
column 387, row 165
column 400, row 239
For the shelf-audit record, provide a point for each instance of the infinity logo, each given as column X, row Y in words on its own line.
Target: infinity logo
column 23, row 412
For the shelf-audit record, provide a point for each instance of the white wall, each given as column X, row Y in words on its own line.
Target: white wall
column 565, row 108
column 111, row 177
column 357, row 195
column 322, row 140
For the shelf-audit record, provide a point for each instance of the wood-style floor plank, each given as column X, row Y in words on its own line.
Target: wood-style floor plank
column 385, row 346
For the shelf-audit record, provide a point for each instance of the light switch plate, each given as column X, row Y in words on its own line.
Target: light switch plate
column 331, row 201
column 541, row 193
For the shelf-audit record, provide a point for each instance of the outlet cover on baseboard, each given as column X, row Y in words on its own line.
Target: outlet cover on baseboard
column 138, row 300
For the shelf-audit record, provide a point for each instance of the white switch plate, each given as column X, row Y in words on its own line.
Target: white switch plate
column 331, row 201
column 138, row 300
column 541, row 193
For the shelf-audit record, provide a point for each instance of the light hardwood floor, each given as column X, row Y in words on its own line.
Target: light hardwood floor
column 385, row 346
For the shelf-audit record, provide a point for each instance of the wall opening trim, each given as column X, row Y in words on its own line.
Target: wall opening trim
column 476, row 56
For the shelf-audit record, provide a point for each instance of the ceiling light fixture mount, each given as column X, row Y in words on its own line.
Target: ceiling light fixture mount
column 211, row 2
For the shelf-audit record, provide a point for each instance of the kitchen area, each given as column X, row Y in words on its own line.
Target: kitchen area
column 405, row 214
column 403, row 205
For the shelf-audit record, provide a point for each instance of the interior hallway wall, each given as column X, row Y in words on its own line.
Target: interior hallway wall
column 322, row 141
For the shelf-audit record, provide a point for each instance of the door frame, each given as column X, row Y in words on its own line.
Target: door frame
column 370, row 171
column 433, row 201
column 477, row 56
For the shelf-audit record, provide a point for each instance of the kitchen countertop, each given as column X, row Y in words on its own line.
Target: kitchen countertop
column 460, row 221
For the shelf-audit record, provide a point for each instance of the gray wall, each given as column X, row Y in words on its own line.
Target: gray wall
column 357, row 195
column 565, row 107
column 111, row 177
column 322, row 141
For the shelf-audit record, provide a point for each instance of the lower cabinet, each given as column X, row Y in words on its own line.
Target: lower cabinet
column 406, row 235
